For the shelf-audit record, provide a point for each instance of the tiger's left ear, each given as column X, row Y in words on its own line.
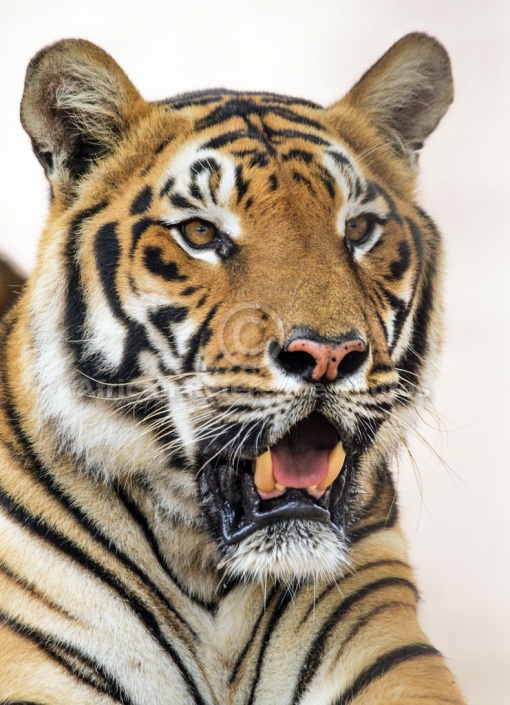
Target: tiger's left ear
column 407, row 92
column 77, row 105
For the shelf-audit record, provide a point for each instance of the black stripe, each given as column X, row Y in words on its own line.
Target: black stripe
column 74, row 320
column 243, row 106
column 198, row 340
column 299, row 154
column 82, row 518
column 328, row 181
column 138, row 229
column 107, row 253
column 242, row 184
column 180, row 201
column 67, row 655
column 382, row 666
column 30, row 588
column 227, row 138
column 416, row 352
column 140, row 519
column 316, row 651
column 388, row 523
column 257, row 158
column 185, row 100
column 278, row 135
column 155, row 263
column 360, row 569
column 400, row 266
column 242, row 655
column 196, row 192
column 66, row 546
column 142, row 202
column 302, row 179
column 167, row 186
column 401, row 310
column 340, row 159
column 382, row 367
column 273, row 623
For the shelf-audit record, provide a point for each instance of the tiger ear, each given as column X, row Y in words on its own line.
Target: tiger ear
column 76, row 105
column 407, row 92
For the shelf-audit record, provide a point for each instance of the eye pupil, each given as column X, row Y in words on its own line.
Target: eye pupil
column 198, row 232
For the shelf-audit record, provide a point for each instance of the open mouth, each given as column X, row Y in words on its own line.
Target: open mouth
column 303, row 476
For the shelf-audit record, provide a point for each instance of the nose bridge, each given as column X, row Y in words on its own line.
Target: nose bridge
column 314, row 290
column 298, row 269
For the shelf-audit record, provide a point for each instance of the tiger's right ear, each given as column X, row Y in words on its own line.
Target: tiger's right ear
column 76, row 105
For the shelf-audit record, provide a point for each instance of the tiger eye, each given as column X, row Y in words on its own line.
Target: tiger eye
column 198, row 232
column 357, row 228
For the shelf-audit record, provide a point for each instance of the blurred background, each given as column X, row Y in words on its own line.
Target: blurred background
column 455, row 490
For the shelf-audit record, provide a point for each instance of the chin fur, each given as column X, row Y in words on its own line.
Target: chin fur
column 293, row 551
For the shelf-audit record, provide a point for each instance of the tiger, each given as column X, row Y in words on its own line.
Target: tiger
column 235, row 309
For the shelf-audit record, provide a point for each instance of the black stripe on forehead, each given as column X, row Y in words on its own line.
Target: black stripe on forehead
column 255, row 114
column 246, row 108
column 270, row 139
column 299, row 155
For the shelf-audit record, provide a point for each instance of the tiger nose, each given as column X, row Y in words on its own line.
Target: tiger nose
column 316, row 360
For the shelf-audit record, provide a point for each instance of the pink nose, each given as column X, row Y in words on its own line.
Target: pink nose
column 327, row 356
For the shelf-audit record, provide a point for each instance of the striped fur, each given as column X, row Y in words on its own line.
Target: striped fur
column 141, row 373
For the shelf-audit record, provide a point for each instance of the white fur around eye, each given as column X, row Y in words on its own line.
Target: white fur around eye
column 213, row 210
column 359, row 250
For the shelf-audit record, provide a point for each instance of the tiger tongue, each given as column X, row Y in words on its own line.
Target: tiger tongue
column 300, row 459
column 306, row 468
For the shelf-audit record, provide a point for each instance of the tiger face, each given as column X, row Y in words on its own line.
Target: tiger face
column 240, row 296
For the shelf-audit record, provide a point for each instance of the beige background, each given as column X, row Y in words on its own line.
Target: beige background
column 456, row 511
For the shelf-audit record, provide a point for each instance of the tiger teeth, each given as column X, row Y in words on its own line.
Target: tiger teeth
column 264, row 479
column 265, row 482
column 335, row 464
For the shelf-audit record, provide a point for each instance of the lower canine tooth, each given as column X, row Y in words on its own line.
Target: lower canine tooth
column 335, row 463
column 264, row 479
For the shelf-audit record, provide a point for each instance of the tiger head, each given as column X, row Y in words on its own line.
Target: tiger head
column 236, row 296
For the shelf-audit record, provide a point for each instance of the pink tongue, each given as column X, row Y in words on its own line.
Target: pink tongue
column 300, row 459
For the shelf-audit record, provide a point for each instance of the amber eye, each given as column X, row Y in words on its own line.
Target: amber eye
column 198, row 232
column 358, row 228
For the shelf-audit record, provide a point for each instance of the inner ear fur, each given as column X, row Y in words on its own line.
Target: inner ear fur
column 407, row 92
column 76, row 105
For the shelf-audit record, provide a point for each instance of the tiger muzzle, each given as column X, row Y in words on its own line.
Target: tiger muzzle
column 304, row 476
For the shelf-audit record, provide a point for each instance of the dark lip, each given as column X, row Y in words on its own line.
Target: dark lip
column 235, row 510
